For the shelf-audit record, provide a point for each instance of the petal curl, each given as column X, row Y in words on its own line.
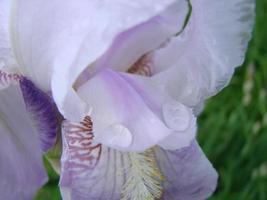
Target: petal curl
column 121, row 118
column 132, row 44
column 126, row 108
column 21, row 168
column 201, row 60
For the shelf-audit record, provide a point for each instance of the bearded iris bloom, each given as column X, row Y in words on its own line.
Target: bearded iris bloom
column 128, row 78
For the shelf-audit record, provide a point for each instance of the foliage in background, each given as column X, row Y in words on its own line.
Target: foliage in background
column 232, row 128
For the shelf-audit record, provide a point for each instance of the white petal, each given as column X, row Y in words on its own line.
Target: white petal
column 200, row 62
column 57, row 40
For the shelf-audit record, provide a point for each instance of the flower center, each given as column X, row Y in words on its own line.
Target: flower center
column 142, row 67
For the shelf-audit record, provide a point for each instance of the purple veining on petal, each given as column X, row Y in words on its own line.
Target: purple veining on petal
column 43, row 111
column 7, row 79
column 78, row 147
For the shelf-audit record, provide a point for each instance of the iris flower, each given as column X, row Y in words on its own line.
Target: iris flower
column 119, row 84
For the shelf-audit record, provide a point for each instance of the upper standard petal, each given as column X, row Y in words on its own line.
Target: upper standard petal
column 56, row 40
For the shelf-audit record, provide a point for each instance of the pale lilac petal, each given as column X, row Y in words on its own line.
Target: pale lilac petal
column 21, row 166
column 126, row 108
column 88, row 171
column 102, row 173
column 43, row 112
column 120, row 115
column 102, row 182
column 201, row 60
column 188, row 173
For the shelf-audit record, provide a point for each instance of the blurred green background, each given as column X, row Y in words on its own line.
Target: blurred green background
column 232, row 128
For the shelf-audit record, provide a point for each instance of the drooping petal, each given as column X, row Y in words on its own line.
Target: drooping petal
column 21, row 167
column 201, row 60
column 188, row 173
column 93, row 171
column 87, row 170
column 43, row 112
column 57, row 40
column 105, row 173
column 104, row 181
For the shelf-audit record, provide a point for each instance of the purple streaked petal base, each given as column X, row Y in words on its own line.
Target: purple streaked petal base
column 43, row 111
column 78, row 147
